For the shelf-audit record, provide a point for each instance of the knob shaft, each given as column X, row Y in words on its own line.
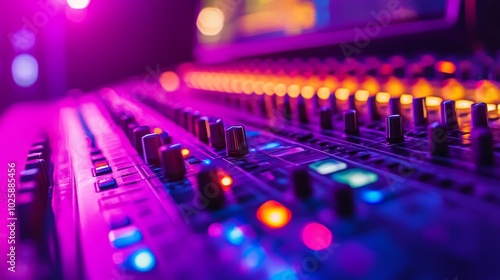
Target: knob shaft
column 165, row 138
column 172, row 162
column 419, row 108
column 217, row 135
column 302, row 110
column 373, row 113
column 236, row 141
column 395, row 106
column 438, row 140
column 479, row 115
column 150, row 145
column 394, row 129
column 482, row 147
column 449, row 114
column 301, row 182
column 344, row 200
column 325, row 116
column 351, row 122
column 138, row 133
column 210, row 188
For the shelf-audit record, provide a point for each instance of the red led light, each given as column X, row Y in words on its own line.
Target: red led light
column 274, row 214
column 446, row 67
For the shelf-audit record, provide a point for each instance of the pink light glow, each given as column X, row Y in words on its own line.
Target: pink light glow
column 78, row 4
column 316, row 236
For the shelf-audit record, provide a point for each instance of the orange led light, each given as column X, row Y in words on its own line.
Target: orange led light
column 324, row 93
column 491, row 107
column 433, row 101
column 169, row 81
column 293, row 91
column 157, row 130
column 446, row 67
column 395, row 87
column 258, row 88
column 185, row 152
column 273, row 214
column 280, row 89
column 350, row 83
column 406, row 99
column 269, row 89
column 362, row 95
column 422, row 88
column 463, row 104
column 371, row 85
column 383, row 97
column 342, row 94
column 226, row 182
column 307, row 92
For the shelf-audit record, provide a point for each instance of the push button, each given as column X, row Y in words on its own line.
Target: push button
column 102, row 170
column 124, row 237
column 106, row 184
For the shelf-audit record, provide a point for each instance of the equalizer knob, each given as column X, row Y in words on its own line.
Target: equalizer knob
column 210, row 188
column 130, row 131
column 236, row 141
column 172, row 162
column 150, row 145
column 419, row 109
column 125, row 120
column 479, row 115
column 351, row 122
column 344, row 200
column 449, row 114
column 287, row 108
column 204, row 130
column 351, row 102
column 137, row 135
column 165, row 138
column 438, row 139
column 217, row 135
column 371, row 104
column 301, row 182
column 194, row 122
column 302, row 110
column 41, row 165
column 325, row 116
column 395, row 106
column 482, row 147
column 394, row 129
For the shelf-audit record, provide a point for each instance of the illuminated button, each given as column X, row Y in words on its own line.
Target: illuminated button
column 124, row 237
column 274, row 214
column 142, row 260
column 106, row 184
column 372, row 196
column 328, row 166
column 316, row 236
column 102, row 170
column 356, row 177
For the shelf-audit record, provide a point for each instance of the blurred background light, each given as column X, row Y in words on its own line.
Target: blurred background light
column 78, row 4
column 316, row 236
column 210, row 21
column 24, row 70
column 23, row 40
column 169, row 81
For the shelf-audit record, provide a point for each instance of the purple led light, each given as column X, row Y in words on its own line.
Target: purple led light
column 24, row 70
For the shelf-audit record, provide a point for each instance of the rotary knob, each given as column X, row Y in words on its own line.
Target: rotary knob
column 209, row 187
column 482, row 147
column 479, row 115
column 236, row 141
column 301, row 181
column 325, row 116
column 449, row 114
column 204, row 130
column 419, row 109
column 217, row 136
column 394, row 129
column 351, row 122
column 438, row 139
column 150, row 145
column 172, row 162
column 344, row 200
column 137, row 135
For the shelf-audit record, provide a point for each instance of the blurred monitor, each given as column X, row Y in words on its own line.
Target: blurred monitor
column 228, row 29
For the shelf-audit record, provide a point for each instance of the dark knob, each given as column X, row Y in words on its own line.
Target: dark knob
column 333, row 103
column 325, row 116
column 449, row 114
column 125, row 120
column 172, row 162
column 236, row 141
column 177, row 114
column 482, row 147
column 351, row 101
column 204, row 130
column 301, row 182
column 419, row 109
column 287, row 108
column 373, row 113
column 36, row 176
column 394, row 129
column 165, row 138
column 40, row 149
column 395, row 106
column 186, row 118
column 150, row 145
column 210, row 188
column 302, row 110
column 261, row 100
column 41, row 165
column 438, row 139
column 130, row 131
column 217, row 134
column 194, row 122
column 137, row 135
column 351, row 122
column 344, row 200
column 479, row 115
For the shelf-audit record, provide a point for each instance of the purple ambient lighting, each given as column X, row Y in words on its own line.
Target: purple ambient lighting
column 24, row 70
column 23, row 40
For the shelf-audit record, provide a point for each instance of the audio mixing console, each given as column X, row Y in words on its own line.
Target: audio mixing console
column 270, row 169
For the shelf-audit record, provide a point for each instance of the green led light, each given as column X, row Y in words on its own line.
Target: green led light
column 328, row 166
column 355, row 177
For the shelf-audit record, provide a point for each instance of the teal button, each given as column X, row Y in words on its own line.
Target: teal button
column 328, row 166
column 355, row 177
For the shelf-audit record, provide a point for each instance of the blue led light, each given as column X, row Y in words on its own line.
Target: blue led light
column 143, row 260
column 207, row 161
column 125, row 237
column 235, row 236
column 252, row 133
column 372, row 197
column 253, row 257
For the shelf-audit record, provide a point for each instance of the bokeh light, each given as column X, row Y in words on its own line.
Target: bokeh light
column 210, row 21
column 273, row 214
column 23, row 40
column 24, row 70
column 78, row 4
column 169, row 81
column 316, row 236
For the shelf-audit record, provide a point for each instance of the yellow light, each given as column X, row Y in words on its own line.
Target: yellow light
column 491, row 107
column 247, row 87
column 350, row 83
column 383, row 97
column 293, row 91
column 395, row 87
column 422, row 88
column 185, row 152
column 362, row 95
column 269, row 89
column 307, row 92
column 280, row 89
column 487, row 92
column 273, row 214
column 258, row 88
column 446, row 67
column 453, row 90
column 236, row 86
column 433, row 101
column 226, row 182
column 169, row 81
column 157, row 130
column 331, row 82
column 210, row 21
column 463, row 104
column 371, row 85
column 342, row 94
column 324, row 93
column 406, row 99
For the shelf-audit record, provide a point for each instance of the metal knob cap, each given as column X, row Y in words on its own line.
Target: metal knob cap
column 217, row 135
column 301, row 182
column 449, row 114
column 302, row 110
column 236, row 141
column 150, row 145
column 204, row 130
column 394, row 129
column 482, row 147
column 172, row 162
column 137, row 135
column 351, row 122
column 373, row 113
column 479, row 115
column 419, row 109
column 438, row 139
column 395, row 106
column 344, row 200
column 210, row 188
column 325, row 116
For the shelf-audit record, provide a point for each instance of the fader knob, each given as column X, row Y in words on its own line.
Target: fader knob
column 172, row 162
column 302, row 110
column 395, row 106
column 150, row 145
column 373, row 113
column 301, row 182
column 204, row 130
column 479, row 115
column 217, row 135
column 419, row 109
column 438, row 140
column 210, row 188
column 394, row 129
column 344, row 200
column 137, row 135
column 325, row 116
column 449, row 114
column 351, row 122
column 236, row 141
column 482, row 147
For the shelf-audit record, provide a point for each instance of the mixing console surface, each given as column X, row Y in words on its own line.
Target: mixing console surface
column 273, row 170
